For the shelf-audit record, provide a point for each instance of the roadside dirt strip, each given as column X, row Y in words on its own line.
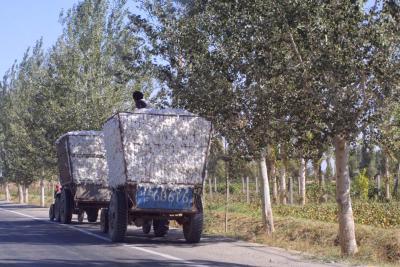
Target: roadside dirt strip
column 28, row 238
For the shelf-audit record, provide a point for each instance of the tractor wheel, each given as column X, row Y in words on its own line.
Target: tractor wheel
column 104, row 220
column 81, row 216
column 51, row 213
column 118, row 216
column 57, row 215
column 66, row 206
column 146, row 227
column 92, row 214
column 160, row 227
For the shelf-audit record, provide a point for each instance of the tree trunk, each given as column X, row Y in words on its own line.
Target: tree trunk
column 215, row 184
column 387, row 190
column 282, row 185
column 378, row 184
column 318, row 173
column 387, row 177
column 302, row 181
column 290, row 187
column 298, row 185
column 271, row 169
column 8, row 196
column 396, row 181
column 20, row 194
column 42, row 199
column 226, row 197
column 322, row 179
column 210, row 188
column 347, row 238
column 247, row 190
column 272, row 174
column 257, row 190
column 243, row 186
column 203, row 195
column 53, row 188
column 266, row 200
column 26, row 194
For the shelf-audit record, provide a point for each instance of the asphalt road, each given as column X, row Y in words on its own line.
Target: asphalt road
column 28, row 238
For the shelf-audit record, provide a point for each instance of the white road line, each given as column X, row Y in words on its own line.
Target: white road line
column 162, row 255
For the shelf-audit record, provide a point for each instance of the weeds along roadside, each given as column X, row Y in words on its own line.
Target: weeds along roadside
column 311, row 229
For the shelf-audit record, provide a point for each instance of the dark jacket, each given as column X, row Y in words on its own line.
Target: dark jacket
column 140, row 104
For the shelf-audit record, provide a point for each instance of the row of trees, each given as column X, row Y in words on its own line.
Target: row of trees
column 75, row 85
column 280, row 80
column 367, row 170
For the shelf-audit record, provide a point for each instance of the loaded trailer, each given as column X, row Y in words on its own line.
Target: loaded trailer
column 83, row 177
column 157, row 166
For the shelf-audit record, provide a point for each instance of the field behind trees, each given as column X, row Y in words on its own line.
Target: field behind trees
column 303, row 96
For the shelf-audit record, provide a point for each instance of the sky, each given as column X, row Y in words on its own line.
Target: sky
column 22, row 22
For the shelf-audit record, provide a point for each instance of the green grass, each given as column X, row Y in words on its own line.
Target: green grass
column 383, row 215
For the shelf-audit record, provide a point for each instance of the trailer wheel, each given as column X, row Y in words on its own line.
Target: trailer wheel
column 118, row 216
column 92, row 214
column 160, row 227
column 193, row 224
column 66, row 207
column 193, row 227
column 104, row 220
column 146, row 227
column 81, row 216
column 51, row 212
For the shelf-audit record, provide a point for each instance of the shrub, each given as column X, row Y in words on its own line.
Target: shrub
column 361, row 185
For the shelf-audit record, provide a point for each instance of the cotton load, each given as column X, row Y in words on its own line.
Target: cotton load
column 81, row 158
column 156, row 146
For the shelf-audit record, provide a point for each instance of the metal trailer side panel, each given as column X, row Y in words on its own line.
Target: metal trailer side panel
column 63, row 161
column 114, row 152
column 92, row 193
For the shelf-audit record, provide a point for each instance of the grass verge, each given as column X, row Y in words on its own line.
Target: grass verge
column 377, row 246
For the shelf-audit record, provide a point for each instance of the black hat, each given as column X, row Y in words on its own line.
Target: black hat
column 137, row 95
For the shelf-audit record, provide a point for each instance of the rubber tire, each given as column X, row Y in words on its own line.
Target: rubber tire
column 51, row 213
column 66, row 207
column 118, row 216
column 193, row 227
column 92, row 214
column 160, row 227
column 81, row 216
column 104, row 220
column 57, row 214
column 146, row 227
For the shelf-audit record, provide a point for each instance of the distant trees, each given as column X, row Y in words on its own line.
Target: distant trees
column 76, row 85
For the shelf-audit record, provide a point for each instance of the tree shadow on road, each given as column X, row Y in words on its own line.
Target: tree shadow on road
column 14, row 206
column 14, row 231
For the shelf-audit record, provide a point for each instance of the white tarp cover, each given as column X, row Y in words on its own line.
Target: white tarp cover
column 87, row 157
column 156, row 146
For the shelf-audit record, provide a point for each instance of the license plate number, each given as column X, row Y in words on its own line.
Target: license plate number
column 164, row 197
